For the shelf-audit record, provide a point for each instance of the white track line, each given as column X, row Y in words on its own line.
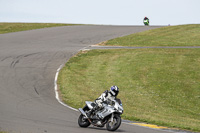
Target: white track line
column 56, row 90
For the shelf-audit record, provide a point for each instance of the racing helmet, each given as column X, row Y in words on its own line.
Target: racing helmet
column 114, row 90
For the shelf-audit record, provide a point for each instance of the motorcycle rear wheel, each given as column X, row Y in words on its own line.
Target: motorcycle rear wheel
column 112, row 126
column 83, row 122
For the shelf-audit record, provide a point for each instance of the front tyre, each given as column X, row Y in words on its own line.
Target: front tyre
column 112, row 126
column 83, row 122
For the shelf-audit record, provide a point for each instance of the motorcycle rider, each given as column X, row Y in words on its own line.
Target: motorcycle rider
column 106, row 97
column 146, row 19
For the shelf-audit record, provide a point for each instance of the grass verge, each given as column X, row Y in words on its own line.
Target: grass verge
column 159, row 86
column 182, row 35
column 2, row 131
column 15, row 27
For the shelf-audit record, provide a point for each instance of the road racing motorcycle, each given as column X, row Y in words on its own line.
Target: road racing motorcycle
column 109, row 115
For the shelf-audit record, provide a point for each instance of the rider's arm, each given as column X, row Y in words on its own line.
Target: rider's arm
column 101, row 99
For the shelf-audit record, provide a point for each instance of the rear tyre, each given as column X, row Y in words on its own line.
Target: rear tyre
column 112, row 126
column 83, row 121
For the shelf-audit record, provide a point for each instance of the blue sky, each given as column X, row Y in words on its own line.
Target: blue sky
column 108, row 12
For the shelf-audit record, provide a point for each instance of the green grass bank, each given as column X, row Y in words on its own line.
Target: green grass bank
column 158, row 86
column 15, row 27
column 182, row 35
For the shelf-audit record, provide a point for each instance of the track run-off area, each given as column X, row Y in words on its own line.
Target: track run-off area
column 28, row 63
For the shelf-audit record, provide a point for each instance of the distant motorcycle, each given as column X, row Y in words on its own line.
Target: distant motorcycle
column 146, row 22
column 108, row 115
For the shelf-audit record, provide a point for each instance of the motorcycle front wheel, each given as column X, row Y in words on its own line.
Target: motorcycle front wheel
column 112, row 126
column 83, row 122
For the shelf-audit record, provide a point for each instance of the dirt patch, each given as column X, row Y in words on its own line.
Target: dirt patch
column 101, row 43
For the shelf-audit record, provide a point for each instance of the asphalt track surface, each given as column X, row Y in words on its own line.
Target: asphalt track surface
column 28, row 64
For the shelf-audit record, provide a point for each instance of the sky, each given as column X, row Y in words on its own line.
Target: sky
column 103, row 12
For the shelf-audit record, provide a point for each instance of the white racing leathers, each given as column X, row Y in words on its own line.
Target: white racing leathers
column 105, row 97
